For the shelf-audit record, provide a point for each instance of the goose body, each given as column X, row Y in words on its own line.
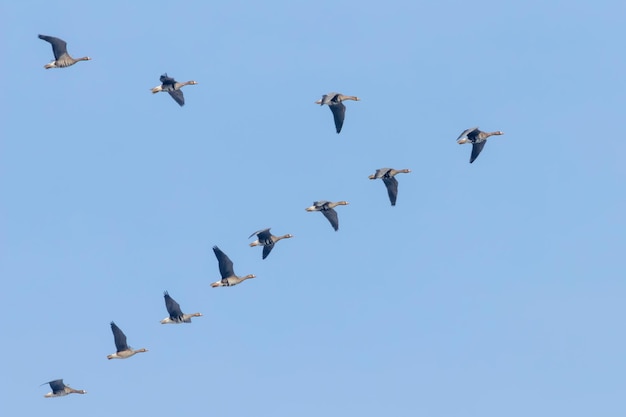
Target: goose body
column 334, row 102
column 61, row 58
column 226, row 271
column 267, row 240
column 176, row 315
column 477, row 138
column 59, row 389
column 170, row 85
column 328, row 210
column 388, row 176
column 123, row 351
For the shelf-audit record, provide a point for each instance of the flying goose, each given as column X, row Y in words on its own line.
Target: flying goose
column 59, row 389
column 61, row 58
column 226, row 270
column 123, row 351
column 327, row 209
column 334, row 102
column 388, row 177
column 173, row 87
column 175, row 314
column 477, row 138
column 267, row 240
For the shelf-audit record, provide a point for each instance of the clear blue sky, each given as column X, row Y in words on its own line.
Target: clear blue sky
column 491, row 289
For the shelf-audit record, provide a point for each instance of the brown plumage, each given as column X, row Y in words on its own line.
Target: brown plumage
column 170, row 85
column 59, row 389
column 267, row 240
column 123, row 351
column 226, row 271
column 61, row 58
column 176, row 315
column 477, row 138
column 328, row 210
column 334, row 102
column 388, row 177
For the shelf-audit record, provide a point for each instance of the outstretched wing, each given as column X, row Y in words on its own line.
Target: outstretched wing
column 259, row 232
column 339, row 114
column 380, row 173
column 173, row 308
column 57, row 385
column 477, row 149
column 120, row 338
column 267, row 249
column 466, row 132
column 59, row 46
column 331, row 215
column 165, row 80
column 226, row 265
column 178, row 97
column 392, row 189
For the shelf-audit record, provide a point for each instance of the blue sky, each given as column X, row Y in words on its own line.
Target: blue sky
column 491, row 289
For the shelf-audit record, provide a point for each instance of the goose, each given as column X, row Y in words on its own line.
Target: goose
column 175, row 314
column 267, row 240
column 123, row 350
column 61, row 58
column 327, row 209
column 59, row 389
column 388, row 177
column 173, row 87
column 477, row 138
column 334, row 102
column 226, row 270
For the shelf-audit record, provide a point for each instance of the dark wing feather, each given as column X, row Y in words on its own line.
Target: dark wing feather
column 265, row 237
column 267, row 249
column 477, row 149
column 467, row 132
column 339, row 114
column 59, row 46
column 120, row 338
column 264, row 232
column 226, row 265
column 165, row 80
column 178, row 97
column 57, row 386
column 392, row 189
column 173, row 308
column 331, row 215
column 380, row 173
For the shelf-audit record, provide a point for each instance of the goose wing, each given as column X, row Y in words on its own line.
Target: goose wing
column 267, row 249
column 392, row 189
column 173, row 308
column 466, row 132
column 319, row 205
column 226, row 265
column 57, row 386
column 178, row 96
column 265, row 232
column 339, row 114
column 477, row 149
column 119, row 337
column 380, row 173
column 59, row 46
column 165, row 80
column 331, row 215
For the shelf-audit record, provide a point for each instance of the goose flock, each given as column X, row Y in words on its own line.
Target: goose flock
column 264, row 237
